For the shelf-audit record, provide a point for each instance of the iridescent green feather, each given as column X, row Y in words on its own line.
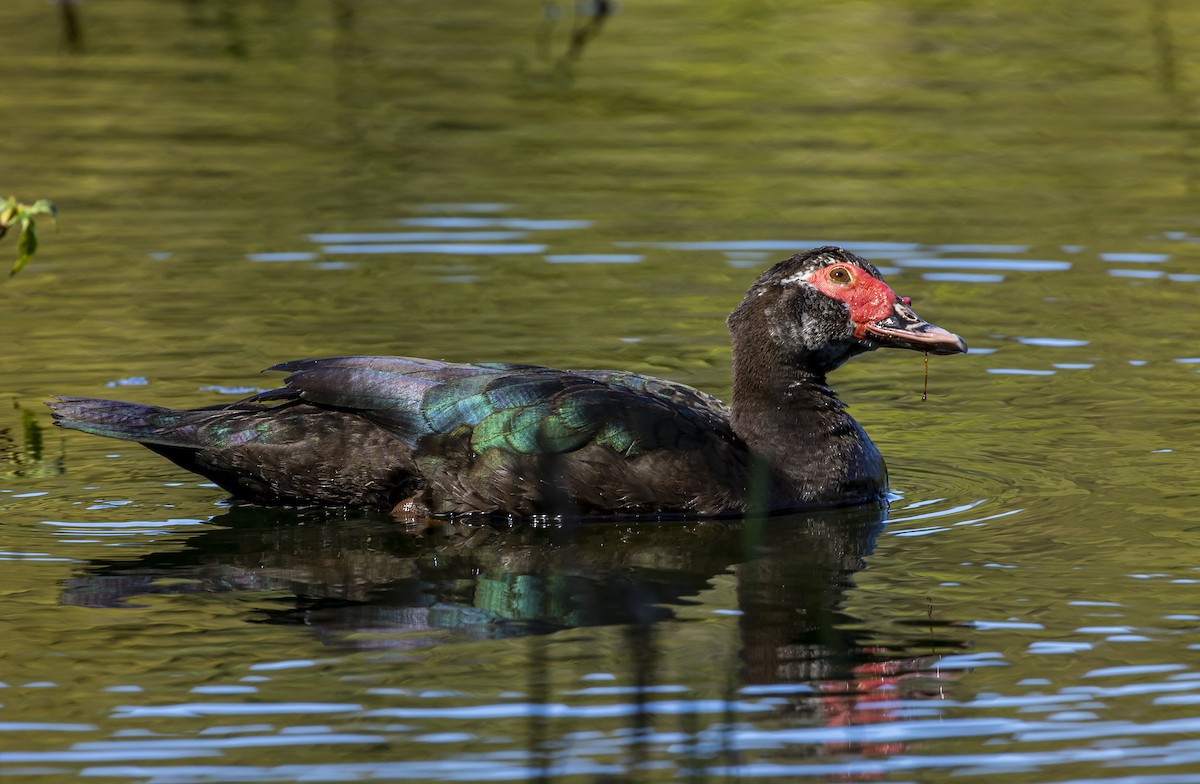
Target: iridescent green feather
column 464, row 401
column 532, row 411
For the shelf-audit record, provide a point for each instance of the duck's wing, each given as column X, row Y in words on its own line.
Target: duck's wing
column 523, row 409
column 495, row 436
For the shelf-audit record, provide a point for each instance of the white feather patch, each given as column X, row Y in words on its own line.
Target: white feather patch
column 799, row 277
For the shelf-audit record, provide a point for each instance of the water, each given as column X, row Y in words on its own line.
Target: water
column 242, row 184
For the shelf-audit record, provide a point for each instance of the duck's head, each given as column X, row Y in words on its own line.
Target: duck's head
column 821, row 307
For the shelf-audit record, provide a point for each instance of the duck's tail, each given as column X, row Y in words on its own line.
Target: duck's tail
column 126, row 421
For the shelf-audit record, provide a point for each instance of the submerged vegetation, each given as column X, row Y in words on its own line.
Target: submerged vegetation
column 22, row 449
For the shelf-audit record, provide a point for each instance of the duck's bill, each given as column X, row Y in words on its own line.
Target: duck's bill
column 904, row 329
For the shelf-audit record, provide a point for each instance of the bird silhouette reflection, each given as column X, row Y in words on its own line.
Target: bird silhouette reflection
column 366, row 582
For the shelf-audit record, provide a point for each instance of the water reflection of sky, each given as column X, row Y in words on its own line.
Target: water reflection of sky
column 1034, row 727
column 468, row 234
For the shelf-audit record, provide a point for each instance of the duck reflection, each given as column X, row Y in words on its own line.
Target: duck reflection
column 365, row 582
column 339, row 574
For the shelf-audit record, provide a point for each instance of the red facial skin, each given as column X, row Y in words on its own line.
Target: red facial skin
column 879, row 315
column 870, row 299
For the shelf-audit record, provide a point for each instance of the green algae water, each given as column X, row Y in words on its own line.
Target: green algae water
column 246, row 183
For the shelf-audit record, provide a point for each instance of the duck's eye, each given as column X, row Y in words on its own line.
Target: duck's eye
column 840, row 275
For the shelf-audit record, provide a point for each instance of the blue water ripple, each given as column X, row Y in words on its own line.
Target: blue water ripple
column 1053, row 342
column 968, row 661
column 1092, row 730
column 1135, row 258
column 1134, row 669
column 1019, row 372
column 561, row 710
column 986, row 625
column 283, row 256
column 288, row 664
column 595, row 258
column 458, row 249
column 1058, row 646
column 189, row 709
column 230, row 742
column 890, row 732
column 109, row 755
column 508, row 223
column 629, row 690
column 417, row 236
column 979, row 248
column 873, row 248
column 39, row 726
column 962, row 277
column 1000, row 265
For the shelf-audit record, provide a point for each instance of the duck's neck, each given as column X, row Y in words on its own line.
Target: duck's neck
column 787, row 414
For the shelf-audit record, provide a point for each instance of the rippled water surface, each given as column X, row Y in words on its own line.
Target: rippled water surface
column 245, row 183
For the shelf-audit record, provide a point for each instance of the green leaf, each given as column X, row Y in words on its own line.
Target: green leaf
column 26, row 247
column 43, row 207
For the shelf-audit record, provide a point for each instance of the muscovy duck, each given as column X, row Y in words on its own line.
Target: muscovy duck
column 421, row 437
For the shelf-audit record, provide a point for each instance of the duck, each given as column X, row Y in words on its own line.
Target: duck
column 427, row 438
